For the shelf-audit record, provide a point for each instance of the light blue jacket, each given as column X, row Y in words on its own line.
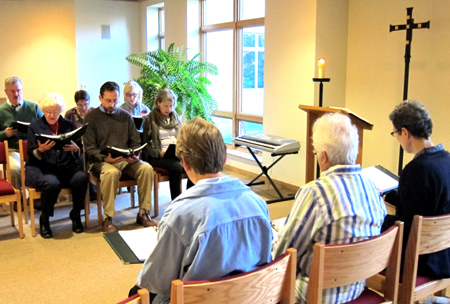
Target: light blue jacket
column 214, row 228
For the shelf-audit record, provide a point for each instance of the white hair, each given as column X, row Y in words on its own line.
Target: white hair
column 335, row 134
column 51, row 99
column 12, row 80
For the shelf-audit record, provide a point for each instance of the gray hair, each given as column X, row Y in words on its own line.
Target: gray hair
column 335, row 134
column 12, row 80
column 51, row 99
column 412, row 116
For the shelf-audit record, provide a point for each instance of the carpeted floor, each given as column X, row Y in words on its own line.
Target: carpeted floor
column 78, row 268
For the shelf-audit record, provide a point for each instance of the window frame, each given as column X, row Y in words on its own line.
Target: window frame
column 237, row 26
column 161, row 33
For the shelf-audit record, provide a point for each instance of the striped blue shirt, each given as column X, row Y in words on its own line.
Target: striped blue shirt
column 341, row 206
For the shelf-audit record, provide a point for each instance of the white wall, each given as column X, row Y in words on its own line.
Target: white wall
column 38, row 46
column 100, row 60
column 376, row 68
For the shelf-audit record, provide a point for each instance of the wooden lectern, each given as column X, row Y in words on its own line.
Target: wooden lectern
column 314, row 113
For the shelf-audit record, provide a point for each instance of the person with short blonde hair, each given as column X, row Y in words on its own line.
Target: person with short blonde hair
column 15, row 109
column 132, row 96
column 341, row 206
column 217, row 227
column 50, row 169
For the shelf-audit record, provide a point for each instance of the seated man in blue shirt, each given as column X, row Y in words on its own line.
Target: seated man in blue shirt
column 217, row 227
column 341, row 206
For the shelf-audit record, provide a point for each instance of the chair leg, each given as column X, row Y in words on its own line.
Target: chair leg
column 11, row 212
column 133, row 203
column 32, row 220
column 19, row 214
column 24, row 203
column 99, row 205
column 156, row 195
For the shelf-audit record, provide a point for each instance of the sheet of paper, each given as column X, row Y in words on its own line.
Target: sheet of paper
column 141, row 241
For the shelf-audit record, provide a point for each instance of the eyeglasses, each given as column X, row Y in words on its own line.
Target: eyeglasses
column 80, row 105
column 55, row 112
column 393, row 133
column 134, row 95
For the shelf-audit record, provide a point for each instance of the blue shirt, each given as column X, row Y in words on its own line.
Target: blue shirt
column 140, row 109
column 214, row 228
column 341, row 206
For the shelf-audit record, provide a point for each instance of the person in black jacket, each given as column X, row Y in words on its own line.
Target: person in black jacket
column 424, row 184
column 50, row 169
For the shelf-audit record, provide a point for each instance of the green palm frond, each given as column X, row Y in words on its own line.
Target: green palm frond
column 187, row 78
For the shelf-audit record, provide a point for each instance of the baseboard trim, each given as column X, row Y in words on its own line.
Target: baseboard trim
column 251, row 175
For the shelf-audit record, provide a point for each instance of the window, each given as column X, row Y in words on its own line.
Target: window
column 161, row 29
column 233, row 39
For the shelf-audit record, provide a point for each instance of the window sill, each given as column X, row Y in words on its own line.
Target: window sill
column 243, row 154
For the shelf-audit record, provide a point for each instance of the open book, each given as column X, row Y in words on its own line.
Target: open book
column 140, row 241
column 117, row 152
column 352, row 113
column 384, row 179
column 62, row 139
column 20, row 126
column 138, row 121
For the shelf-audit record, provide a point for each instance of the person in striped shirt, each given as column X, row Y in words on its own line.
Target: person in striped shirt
column 341, row 206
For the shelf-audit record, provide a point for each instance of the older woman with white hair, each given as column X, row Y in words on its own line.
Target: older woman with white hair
column 50, row 169
column 341, row 206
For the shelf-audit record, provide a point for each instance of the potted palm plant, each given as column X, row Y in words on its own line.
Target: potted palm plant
column 187, row 78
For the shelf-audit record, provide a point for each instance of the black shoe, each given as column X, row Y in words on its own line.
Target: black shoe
column 44, row 225
column 77, row 226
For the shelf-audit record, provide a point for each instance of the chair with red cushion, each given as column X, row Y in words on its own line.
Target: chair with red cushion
column 343, row 264
column 8, row 194
column 142, row 297
column 270, row 283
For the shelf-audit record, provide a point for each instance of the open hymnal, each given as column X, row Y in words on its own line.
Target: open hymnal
column 117, row 152
column 277, row 225
column 62, row 139
column 384, row 179
column 20, row 126
column 141, row 241
column 352, row 113
column 138, row 121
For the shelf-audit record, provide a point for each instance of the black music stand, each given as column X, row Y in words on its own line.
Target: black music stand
column 264, row 171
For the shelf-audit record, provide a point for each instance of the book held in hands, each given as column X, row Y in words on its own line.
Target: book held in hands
column 20, row 126
column 138, row 121
column 62, row 139
column 385, row 180
column 117, row 152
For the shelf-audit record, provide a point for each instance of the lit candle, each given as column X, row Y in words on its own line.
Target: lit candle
column 321, row 66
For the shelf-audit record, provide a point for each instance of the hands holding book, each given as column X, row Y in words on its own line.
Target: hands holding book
column 9, row 132
column 42, row 147
column 115, row 160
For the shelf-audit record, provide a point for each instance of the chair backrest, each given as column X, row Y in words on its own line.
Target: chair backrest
column 343, row 264
column 4, row 160
column 142, row 297
column 271, row 283
column 428, row 234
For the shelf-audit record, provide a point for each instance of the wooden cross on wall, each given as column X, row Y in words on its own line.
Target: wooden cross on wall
column 409, row 27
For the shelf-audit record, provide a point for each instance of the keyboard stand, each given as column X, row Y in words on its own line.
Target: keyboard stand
column 264, row 170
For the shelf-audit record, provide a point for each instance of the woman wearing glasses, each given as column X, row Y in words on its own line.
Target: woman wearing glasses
column 132, row 95
column 50, row 169
column 77, row 114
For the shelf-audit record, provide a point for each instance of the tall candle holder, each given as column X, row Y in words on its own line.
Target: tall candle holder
column 321, row 81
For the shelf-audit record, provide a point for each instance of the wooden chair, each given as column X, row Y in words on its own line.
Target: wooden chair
column 161, row 175
column 124, row 181
column 34, row 193
column 271, row 283
column 340, row 265
column 142, row 297
column 8, row 194
column 428, row 234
